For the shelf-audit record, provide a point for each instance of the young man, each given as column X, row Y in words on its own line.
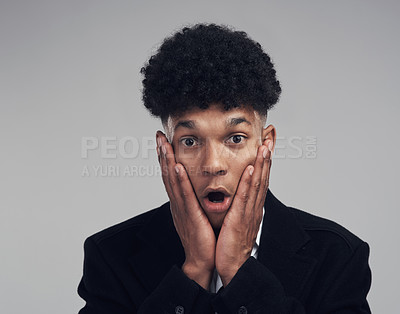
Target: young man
column 223, row 243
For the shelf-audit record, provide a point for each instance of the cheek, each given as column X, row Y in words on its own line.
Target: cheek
column 190, row 163
column 240, row 164
column 248, row 155
column 179, row 155
column 192, row 167
column 241, row 160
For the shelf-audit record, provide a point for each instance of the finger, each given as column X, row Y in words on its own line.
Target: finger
column 167, row 174
column 158, row 146
column 172, row 182
column 264, row 177
column 167, row 153
column 165, row 178
column 160, row 159
column 178, row 179
column 255, row 187
column 242, row 193
column 268, row 176
column 160, row 138
column 187, row 195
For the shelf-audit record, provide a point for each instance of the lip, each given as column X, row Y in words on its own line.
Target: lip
column 216, row 207
column 217, row 189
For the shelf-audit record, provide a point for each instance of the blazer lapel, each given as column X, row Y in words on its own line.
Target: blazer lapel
column 281, row 239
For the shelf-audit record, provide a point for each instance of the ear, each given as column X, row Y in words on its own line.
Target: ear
column 269, row 134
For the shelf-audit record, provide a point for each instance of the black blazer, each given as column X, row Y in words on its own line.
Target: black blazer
column 306, row 264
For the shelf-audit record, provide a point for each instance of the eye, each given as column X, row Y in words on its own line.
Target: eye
column 188, row 141
column 236, row 139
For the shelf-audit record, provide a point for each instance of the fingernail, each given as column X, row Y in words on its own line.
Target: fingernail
column 251, row 171
column 159, row 141
column 270, row 146
column 265, row 153
column 176, row 168
column 164, row 150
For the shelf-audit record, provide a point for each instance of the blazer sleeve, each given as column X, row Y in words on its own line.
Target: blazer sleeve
column 105, row 293
column 178, row 294
column 348, row 293
column 100, row 287
column 255, row 289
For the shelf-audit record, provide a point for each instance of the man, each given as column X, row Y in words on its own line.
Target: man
column 223, row 243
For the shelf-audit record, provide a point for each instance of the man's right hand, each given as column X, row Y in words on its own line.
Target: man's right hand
column 191, row 223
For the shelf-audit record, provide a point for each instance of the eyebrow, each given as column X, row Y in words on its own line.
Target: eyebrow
column 190, row 124
column 236, row 121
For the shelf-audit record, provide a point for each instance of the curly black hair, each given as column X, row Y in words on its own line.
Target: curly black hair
column 208, row 63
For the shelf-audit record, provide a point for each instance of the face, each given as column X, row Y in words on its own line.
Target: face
column 215, row 146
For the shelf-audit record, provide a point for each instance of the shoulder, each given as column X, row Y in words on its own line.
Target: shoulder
column 327, row 232
column 126, row 234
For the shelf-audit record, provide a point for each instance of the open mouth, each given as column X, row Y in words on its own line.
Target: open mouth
column 216, row 197
column 216, row 200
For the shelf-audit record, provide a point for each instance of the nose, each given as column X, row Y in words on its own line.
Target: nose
column 214, row 162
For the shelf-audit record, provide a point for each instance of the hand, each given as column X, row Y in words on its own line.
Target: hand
column 191, row 223
column 240, row 227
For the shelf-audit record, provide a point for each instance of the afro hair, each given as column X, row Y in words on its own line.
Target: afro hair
column 208, row 63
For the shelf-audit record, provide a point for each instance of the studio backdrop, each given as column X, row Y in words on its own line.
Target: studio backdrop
column 78, row 147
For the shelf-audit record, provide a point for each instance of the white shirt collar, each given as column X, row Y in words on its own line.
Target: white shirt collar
column 260, row 229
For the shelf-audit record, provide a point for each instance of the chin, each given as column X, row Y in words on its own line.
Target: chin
column 216, row 220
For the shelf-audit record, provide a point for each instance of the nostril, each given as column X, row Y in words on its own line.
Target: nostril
column 211, row 171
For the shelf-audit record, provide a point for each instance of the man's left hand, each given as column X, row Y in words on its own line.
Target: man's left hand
column 240, row 227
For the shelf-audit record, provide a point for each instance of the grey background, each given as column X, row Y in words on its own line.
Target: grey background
column 70, row 69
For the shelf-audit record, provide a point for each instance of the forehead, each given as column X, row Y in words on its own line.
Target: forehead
column 215, row 116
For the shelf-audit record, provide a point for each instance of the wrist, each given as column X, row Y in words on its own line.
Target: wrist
column 200, row 275
column 228, row 272
column 227, row 276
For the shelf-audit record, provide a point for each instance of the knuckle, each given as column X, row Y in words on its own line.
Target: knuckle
column 244, row 196
column 248, row 179
column 185, row 194
column 172, row 181
column 257, row 185
column 164, row 170
column 178, row 177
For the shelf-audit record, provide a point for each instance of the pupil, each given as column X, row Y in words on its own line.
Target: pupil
column 237, row 139
column 189, row 142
